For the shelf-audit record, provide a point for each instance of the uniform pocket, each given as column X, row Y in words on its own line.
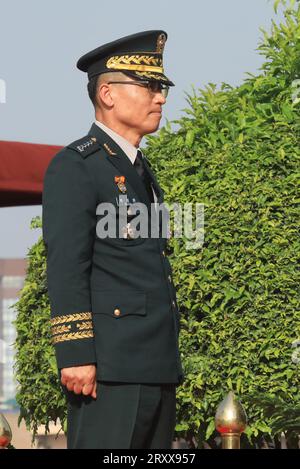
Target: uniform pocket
column 118, row 305
column 120, row 325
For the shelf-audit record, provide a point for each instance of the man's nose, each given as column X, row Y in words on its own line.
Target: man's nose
column 159, row 98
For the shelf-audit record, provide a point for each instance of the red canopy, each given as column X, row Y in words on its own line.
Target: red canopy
column 22, row 170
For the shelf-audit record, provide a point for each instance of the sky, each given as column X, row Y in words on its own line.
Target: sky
column 46, row 100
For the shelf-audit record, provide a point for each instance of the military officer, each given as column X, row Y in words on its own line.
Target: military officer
column 114, row 316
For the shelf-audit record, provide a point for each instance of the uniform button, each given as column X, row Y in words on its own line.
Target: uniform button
column 169, row 278
column 117, row 312
column 164, row 253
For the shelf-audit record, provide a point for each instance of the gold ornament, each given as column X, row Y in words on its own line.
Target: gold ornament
column 230, row 421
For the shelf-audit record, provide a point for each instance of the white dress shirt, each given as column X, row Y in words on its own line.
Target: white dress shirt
column 129, row 149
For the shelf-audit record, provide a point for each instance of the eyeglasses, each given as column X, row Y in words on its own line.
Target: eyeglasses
column 153, row 86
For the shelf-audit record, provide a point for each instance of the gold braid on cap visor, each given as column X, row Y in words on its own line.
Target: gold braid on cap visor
column 139, row 63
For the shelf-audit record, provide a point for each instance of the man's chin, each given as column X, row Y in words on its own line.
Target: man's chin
column 152, row 128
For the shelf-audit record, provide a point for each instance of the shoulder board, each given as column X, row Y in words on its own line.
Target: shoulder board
column 85, row 146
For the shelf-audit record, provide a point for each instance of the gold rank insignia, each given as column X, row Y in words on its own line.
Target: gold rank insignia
column 120, row 181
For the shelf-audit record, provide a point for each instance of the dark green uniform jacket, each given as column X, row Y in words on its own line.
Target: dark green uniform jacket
column 112, row 300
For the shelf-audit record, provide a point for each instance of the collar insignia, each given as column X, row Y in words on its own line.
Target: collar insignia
column 109, row 150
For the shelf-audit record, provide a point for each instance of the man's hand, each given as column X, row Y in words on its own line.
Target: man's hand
column 80, row 379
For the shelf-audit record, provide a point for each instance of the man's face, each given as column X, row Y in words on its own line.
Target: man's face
column 137, row 107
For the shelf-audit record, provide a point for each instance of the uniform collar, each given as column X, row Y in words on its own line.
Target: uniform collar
column 127, row 147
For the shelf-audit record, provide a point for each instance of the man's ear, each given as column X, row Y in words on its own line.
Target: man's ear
column 104, row 95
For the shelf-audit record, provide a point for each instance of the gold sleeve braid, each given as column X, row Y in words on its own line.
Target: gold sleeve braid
column 62, row 327
column 72, row 336
column 71, row 317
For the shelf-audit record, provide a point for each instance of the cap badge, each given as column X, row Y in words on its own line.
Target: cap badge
column 161, row 41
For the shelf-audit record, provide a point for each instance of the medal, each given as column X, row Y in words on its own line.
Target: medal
column 128, row 232
column 120, row 181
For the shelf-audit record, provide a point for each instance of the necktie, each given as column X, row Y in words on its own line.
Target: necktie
column 140, row 168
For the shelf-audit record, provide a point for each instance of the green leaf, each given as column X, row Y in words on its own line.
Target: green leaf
column 210, row 429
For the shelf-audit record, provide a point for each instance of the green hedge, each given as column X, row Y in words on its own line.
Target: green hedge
column 236, row 150
column 39, row 395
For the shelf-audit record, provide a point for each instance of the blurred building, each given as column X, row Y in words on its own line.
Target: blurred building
column 12, row 276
